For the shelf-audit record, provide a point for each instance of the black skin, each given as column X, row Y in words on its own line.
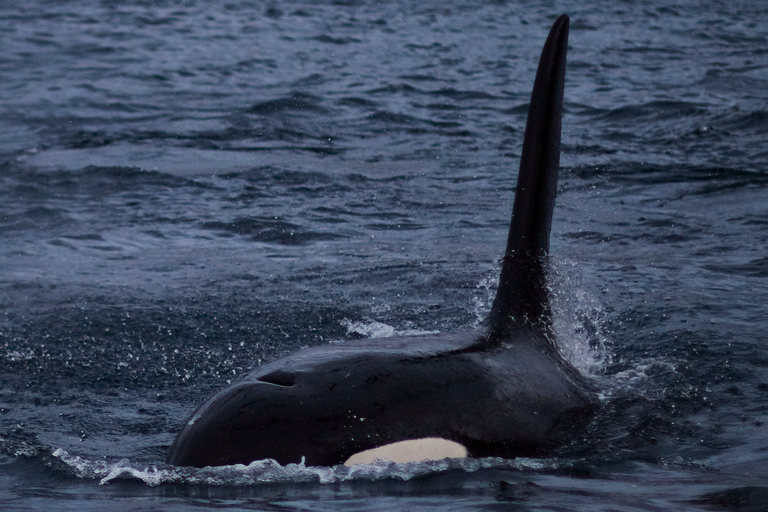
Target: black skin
column 500, row 390
column 328, row 403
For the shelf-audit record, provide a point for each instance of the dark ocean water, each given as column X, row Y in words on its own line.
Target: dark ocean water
column 189, row 188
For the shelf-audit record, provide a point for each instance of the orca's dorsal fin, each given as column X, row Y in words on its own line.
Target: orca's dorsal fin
column 522, row 299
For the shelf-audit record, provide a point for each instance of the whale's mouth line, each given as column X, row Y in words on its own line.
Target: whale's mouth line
column 279, row 378
column 411, row 450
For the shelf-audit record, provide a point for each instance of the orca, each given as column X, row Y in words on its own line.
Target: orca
column 501, row 389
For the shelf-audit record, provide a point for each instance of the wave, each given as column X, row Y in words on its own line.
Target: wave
column 269, row 229
column 631, row 173
column 656, row 110
column 754, row 268
column 297, row 102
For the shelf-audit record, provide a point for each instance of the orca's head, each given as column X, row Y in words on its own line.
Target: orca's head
column 271, row 417
column 322, row 407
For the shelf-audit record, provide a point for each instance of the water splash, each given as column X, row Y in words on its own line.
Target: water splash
column 579, row 320
column 633, row 381
column 374, row 329
column 486, row 292
column 270, row 472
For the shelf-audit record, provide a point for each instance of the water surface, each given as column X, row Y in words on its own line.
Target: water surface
column 188, row 189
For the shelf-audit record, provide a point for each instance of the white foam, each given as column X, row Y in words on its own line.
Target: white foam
column 270, row 472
